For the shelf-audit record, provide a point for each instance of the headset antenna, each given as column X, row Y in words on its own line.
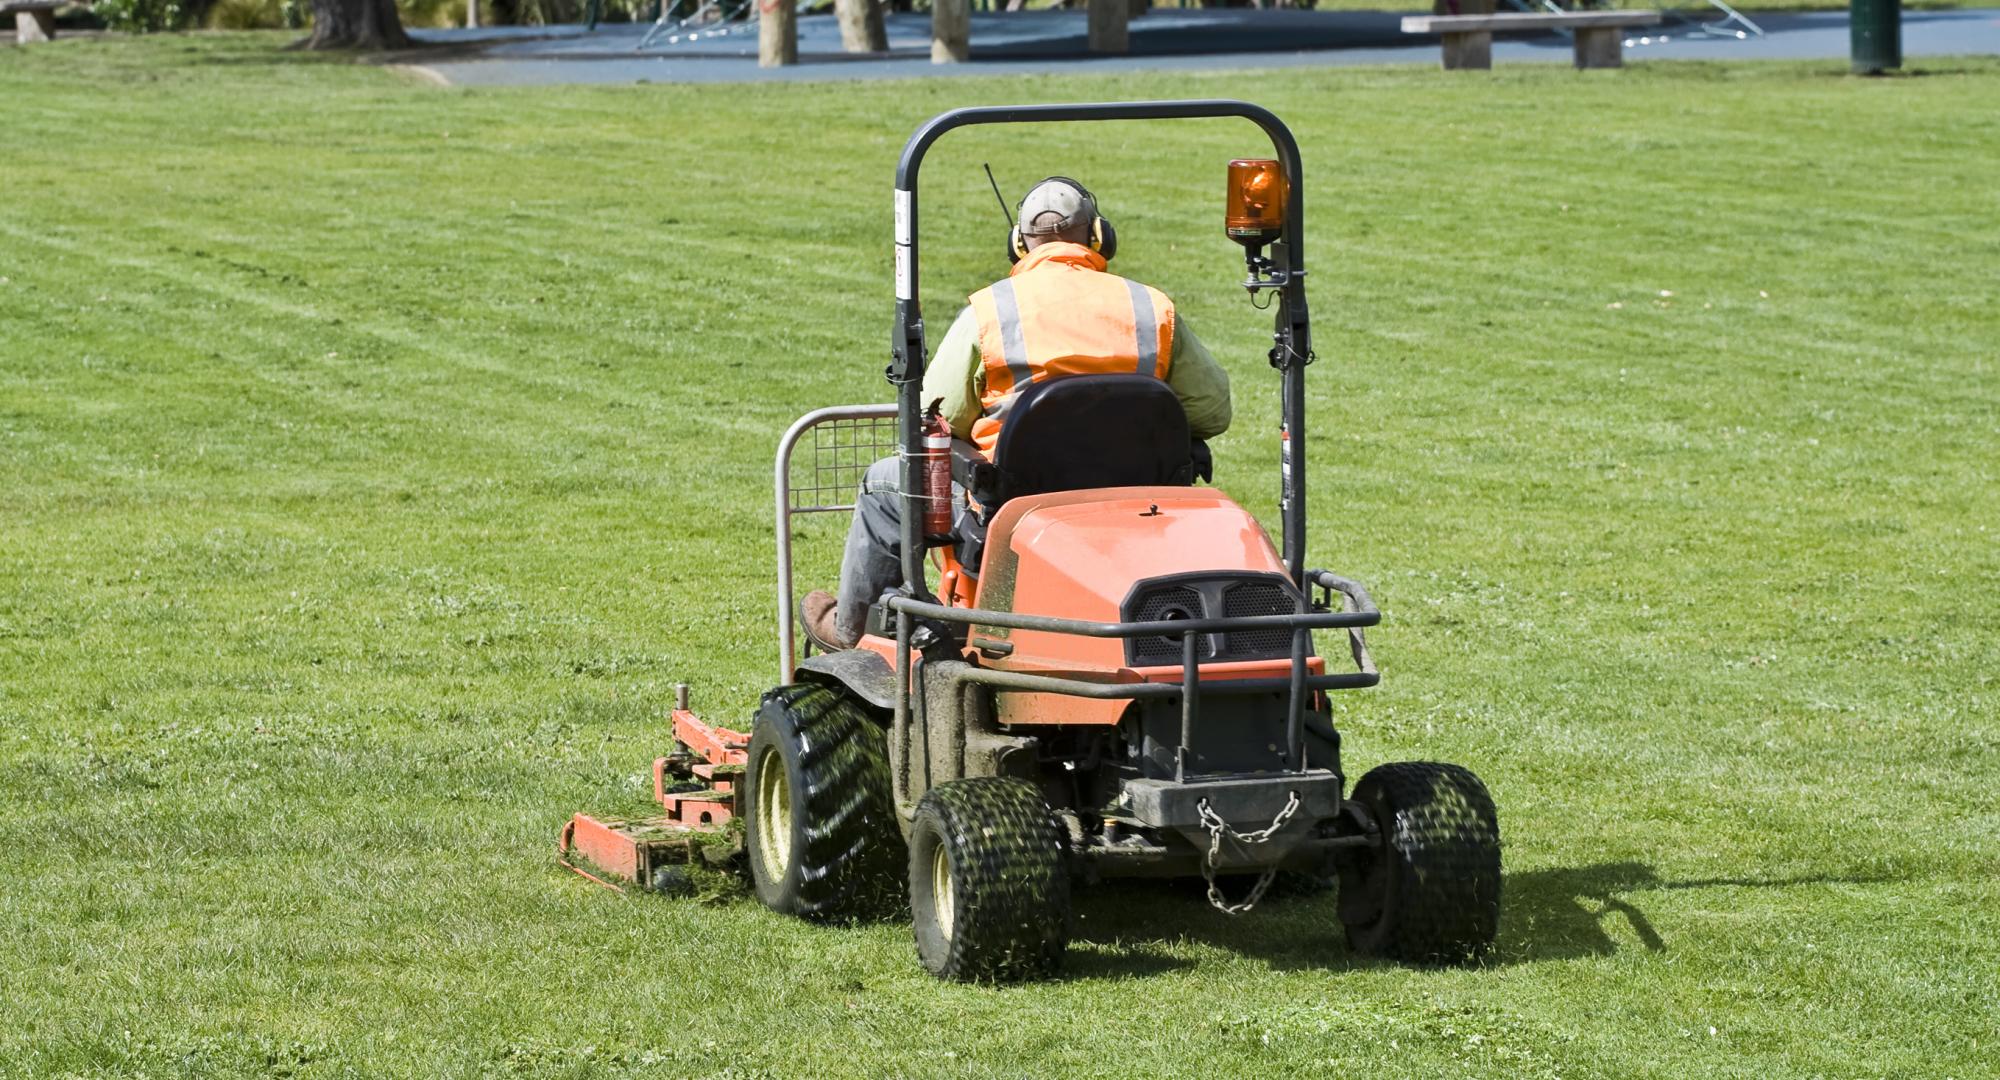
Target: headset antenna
column 1001, row 199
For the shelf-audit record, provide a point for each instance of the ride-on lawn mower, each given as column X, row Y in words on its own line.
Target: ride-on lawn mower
column 1115, row 675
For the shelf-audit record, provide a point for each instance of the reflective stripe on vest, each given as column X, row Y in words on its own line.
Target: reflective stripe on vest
column 1058, row 314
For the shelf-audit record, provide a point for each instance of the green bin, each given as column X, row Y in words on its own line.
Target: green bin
column 1877, row 35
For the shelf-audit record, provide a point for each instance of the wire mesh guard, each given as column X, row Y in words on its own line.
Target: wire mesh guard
column 842, row 449
column 821, row 461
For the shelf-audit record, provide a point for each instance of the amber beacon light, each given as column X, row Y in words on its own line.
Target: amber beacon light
column 1256, row 210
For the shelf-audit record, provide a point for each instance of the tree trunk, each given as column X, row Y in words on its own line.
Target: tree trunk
column 777, row 33
column 951, row 31
column 861, row 28
column 356, row 24
column 1107, row 26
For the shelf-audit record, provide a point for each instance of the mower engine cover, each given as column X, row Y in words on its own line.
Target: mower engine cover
column 1127, row 554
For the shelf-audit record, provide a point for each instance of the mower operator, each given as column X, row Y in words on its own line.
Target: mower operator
column 1058, row 312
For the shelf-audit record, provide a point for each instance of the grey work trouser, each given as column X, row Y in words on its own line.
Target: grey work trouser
column 872, row 563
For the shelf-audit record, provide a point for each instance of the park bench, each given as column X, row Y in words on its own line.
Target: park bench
column 1468, row 39
column 34, row 20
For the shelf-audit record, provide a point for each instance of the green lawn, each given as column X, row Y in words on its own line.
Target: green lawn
column 374, row 458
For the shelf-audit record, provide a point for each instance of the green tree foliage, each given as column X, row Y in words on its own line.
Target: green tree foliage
column 152, row 16
column 142, row 16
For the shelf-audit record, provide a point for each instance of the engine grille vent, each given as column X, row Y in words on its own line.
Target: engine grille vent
column 1258, row 598
column 1233, row 596
column 1168, row 602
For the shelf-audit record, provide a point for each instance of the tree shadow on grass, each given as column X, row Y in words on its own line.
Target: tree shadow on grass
column 1926, row 70
column 294, row 54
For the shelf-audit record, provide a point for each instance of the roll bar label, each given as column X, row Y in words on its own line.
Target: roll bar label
column 903, row 238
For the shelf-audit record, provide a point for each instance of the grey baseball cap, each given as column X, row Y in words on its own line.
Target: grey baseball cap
column 1055, row 206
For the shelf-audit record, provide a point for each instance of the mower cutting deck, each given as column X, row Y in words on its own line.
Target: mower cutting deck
column 697, row 786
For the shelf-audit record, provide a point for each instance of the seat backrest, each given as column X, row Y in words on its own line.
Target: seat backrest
column 1090, row 431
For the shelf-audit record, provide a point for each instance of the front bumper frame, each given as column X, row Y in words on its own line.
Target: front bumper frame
column 1358, row 611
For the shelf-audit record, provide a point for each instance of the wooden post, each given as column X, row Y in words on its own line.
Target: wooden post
column 951, row 31
column 1600, row 47
column 1472, row 50
column 34, row 24
column 861, row 28
column 777, row 33
column 1108, row 30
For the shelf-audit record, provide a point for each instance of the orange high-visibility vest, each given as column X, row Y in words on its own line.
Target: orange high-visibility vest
column 1060, row 313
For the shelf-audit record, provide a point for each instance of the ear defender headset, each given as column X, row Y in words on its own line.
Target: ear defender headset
column 1103, row 238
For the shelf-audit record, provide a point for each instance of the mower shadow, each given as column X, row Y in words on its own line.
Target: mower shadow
column 1133, row 929
column 1137, row 928
column 1568, row 912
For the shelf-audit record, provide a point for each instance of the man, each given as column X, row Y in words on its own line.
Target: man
column 1059, row 312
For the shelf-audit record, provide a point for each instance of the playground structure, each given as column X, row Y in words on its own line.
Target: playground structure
column 863, row 28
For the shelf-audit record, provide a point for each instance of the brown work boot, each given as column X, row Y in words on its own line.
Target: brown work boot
column 817, row 613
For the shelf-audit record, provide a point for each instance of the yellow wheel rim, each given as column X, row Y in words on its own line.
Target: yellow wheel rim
column 941, row 895
column 774, row 815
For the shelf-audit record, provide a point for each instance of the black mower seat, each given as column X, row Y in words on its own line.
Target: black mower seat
column 1072, row 433
column 1089, row 431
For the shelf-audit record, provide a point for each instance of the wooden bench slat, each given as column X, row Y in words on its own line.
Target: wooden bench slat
column 1468, row 39
column 1575, row 20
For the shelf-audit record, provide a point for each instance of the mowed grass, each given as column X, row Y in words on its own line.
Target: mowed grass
column 377, row 457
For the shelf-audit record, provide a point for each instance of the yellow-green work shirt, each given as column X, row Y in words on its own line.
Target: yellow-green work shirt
column 956, row 376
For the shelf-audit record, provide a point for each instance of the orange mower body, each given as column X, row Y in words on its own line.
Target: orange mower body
column 1076, row 555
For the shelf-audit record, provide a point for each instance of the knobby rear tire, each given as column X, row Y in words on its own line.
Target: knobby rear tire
column 836, row 855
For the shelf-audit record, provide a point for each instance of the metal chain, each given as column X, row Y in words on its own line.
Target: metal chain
column 1217, row 828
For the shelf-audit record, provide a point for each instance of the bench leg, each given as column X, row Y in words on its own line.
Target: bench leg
column 1600, row 47
column 33, row 26
column 1471, row 51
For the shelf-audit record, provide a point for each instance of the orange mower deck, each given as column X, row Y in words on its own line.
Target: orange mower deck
column 696, row 784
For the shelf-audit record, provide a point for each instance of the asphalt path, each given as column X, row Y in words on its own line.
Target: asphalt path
column 1049, row 42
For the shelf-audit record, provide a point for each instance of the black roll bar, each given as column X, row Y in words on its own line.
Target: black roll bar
column 1291, row 351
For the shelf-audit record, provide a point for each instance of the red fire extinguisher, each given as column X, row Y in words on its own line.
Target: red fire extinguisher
column 936, row 472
